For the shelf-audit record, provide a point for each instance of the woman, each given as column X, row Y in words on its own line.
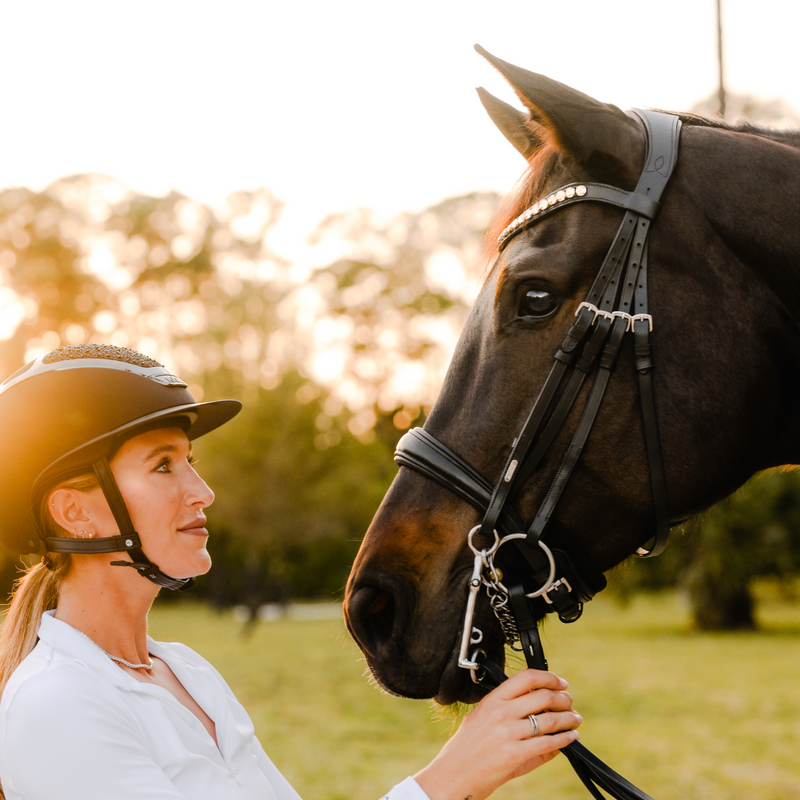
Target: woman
column 99, row 478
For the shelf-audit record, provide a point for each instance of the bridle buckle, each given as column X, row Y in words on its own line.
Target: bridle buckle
column 643, row 318
column 554, row 586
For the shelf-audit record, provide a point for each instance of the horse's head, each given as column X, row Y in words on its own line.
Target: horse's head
column 719, row 332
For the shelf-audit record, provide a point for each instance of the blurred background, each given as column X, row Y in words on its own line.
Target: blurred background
column 285, row 203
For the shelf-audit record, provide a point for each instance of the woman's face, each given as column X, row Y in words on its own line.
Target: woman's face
column 165, row 498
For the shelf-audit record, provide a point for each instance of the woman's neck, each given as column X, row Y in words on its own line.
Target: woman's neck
column 108, row 607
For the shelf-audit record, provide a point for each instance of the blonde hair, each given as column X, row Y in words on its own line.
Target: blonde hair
column 36, row 590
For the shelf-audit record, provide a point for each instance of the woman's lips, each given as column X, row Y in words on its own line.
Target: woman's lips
column 196, row 527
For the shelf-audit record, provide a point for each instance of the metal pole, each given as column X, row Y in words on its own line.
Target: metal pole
column 721, row 90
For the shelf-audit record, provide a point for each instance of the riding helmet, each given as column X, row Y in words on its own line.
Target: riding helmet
column 66, row 411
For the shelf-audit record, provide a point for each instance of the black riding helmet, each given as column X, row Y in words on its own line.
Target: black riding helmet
column 66, row 413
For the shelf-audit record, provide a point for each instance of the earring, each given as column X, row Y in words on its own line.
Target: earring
column 84, row 534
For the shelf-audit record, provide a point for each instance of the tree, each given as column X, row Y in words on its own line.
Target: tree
column 715, row 557
column 389, row 311
column 323, row 365
column 87, row 259
column 296, row 490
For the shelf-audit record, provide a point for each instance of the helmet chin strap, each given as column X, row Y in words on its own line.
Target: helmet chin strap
column 128, row 540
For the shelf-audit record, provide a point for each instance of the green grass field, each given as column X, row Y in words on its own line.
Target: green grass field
column 683, row 715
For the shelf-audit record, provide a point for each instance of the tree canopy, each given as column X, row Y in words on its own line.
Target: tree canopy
column 332, row 367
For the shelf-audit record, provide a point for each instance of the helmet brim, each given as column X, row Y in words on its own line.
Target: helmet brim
column 201, row 418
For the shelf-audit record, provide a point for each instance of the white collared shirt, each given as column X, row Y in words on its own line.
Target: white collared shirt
column 74, row 725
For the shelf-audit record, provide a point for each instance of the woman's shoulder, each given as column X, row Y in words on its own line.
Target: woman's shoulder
column 64, row 672
column 42, row 681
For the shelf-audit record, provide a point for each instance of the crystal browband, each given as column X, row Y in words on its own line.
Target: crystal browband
column 601, row 192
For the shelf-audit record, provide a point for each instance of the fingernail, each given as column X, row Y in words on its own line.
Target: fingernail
column 564, row 684
column 580, row 718
column 574, row 735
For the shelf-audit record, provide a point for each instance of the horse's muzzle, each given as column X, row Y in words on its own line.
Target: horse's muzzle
column 404, row 647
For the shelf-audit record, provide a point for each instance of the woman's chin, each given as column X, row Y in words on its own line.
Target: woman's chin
column 203, row 566
column 199, row 563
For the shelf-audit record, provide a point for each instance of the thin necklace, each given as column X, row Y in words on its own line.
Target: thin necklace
column 117, row 658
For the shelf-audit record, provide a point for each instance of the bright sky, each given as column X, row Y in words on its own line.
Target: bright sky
column 333, row 105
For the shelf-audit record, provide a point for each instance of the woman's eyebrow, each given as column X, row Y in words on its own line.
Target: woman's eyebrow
column 162, row 449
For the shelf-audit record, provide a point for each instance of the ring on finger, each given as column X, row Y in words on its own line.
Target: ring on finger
column 534, row 726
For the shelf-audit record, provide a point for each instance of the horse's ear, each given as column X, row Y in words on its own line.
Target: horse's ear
column 513, row 124
column 605, row 140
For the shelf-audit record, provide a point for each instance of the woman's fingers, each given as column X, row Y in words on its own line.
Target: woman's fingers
column 543, row 700
column 549, row 722
column 514, row 729
column 538, row 699
column 527, row 681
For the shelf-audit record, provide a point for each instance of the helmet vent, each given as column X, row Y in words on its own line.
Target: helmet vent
column 108, row 352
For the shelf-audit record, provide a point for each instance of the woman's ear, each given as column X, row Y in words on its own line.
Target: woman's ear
column 69, row 509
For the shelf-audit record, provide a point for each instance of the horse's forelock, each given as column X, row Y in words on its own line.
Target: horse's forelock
column 528, row 189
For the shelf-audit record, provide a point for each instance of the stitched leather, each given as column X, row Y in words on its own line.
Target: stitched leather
column 105, row 544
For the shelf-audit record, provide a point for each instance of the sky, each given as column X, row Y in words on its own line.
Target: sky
column 336, row 105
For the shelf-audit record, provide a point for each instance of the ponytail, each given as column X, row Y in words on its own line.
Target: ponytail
column 36, row 590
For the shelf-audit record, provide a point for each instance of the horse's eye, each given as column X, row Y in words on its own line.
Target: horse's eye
column 537, row 303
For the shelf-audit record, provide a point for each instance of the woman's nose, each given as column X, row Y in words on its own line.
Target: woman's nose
column 200, row 492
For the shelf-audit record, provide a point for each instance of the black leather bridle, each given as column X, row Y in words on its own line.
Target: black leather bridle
column 538, row 579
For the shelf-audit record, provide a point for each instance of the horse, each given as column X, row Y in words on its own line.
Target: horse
column 723, row 291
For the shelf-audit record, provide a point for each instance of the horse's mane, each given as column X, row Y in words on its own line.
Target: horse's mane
column 789, row 136
column 529, row 187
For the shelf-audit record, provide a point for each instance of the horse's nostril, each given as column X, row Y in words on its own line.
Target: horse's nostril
column 382, row 608
column 380, row 601
column 371, row 612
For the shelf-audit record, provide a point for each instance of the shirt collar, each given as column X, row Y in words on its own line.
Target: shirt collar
column 72, row 644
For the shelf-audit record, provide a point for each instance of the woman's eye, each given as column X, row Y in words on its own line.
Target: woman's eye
column 163, row 466
column 537, row 303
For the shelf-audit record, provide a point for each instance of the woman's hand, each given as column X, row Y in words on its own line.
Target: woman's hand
column 496, row 740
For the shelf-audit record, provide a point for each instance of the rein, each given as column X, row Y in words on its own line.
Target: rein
column 539, row 579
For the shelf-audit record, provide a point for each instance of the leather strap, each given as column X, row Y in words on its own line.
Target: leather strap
column 636, row 202
column 423, row 453
column 420, row 451
column 630, row 244
column 594, row 773
column 105, row 544
column 644, row 368
column 139, row 561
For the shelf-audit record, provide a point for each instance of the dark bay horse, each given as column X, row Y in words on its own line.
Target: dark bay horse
column 724, row 294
